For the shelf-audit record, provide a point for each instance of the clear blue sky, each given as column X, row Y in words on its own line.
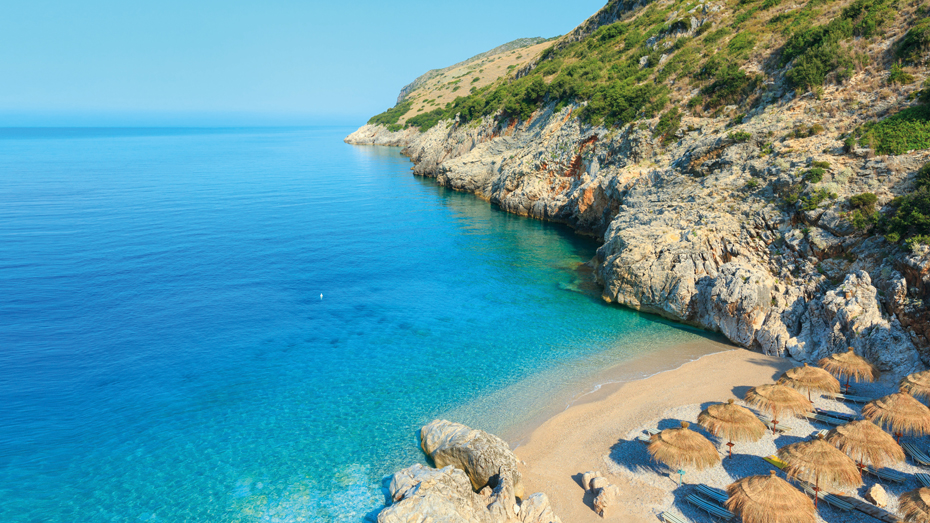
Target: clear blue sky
column 165, row 62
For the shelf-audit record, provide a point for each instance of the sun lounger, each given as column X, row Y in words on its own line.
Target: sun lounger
column 887, row 474
column 818, row 433
column 710, row 507
column 647, row 438
column 924, row 479
column 831, row 499
column 781, row 424
column 712, row 493
column 837, row 415
column 777, row 463
column 848, row 397
column 824, row 419
column 668, row 517
column 915, row 453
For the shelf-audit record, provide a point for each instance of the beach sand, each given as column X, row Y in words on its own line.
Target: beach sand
column 600, row 434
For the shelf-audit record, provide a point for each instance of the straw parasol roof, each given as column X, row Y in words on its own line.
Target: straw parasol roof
column 918, row 384
column 683, row 447
column 899, row 412
column 820, row 463
column 849, row 365
column 865, row 442
column 915, row 505
column 778, row 399
column 808, row 379
column 769, row 499
column 733, row 422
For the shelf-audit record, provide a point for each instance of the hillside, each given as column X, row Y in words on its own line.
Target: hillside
column 754, row 167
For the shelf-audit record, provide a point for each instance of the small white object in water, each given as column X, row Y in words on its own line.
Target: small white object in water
column 321, row 295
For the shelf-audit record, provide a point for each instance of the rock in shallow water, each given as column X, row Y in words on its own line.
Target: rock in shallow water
column 486, row 458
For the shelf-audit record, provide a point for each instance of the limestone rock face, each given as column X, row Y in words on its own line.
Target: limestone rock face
column 485, row 458
column 699, row 230
column 423, row 494
column 877, row 496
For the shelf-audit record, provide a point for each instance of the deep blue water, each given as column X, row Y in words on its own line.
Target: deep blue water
column 165, row 353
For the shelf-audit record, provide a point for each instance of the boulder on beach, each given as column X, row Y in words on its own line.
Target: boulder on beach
column 607, row 497
column 587, row 477
column 485, row 458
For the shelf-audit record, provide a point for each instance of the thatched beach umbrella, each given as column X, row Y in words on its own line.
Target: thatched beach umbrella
column 915, row 505
column 733, row 422
column 865, row 442
column 917, row 384
column 900, row 413
column 849, row 365
column 682, row 447
column 819, row 462
column 778, row 399
column 807, row 379
column 769, row 499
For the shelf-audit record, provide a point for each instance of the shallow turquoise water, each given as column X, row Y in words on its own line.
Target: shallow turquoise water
column 167, row 356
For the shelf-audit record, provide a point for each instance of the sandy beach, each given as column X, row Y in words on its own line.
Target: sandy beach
column 600, row 434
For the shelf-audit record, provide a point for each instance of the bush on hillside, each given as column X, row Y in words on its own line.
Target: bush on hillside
column 915, row 44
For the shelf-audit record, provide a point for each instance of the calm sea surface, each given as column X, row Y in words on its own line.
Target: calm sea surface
column 250, row 324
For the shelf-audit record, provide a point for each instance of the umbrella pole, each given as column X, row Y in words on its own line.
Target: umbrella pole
column 730, row 444
column 774, row 423
column 681, row 474
column 816, row 492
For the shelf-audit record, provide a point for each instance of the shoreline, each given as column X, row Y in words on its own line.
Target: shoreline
column 581, row 437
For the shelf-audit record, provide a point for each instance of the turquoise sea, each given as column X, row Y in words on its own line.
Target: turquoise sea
column 250, row 324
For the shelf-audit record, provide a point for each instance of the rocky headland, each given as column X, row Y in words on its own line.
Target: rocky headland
column 719, row 224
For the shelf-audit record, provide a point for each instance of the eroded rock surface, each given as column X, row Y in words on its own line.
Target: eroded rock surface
column 485, row 458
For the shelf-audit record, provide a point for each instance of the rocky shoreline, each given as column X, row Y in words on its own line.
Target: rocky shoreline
column 695, row 231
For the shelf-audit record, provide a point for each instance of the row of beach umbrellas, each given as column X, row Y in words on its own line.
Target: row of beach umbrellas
column 834, row 460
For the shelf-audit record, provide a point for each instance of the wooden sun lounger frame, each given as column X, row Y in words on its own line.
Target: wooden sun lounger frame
column 924, row 479
column 668, row 517
column 825, row 419
column 887, row 474
column 709, row 506
column 715, row 494
column 915, row 453
column 847, row 397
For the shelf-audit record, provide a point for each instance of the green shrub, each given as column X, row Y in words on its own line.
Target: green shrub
column 903, row 131
column 752, row 184
column 816, row 50
column 740, row 136
column 923, row 176
column 821, row 165
column 863, row 220
column 814, row 175
column 389, row 118
column 668, row 125
column 909, row 216
column 811, row 202
column 863, row 201
column 915, row 43
column 898, row 76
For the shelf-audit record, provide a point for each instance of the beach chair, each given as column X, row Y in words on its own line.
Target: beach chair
column 668, row 517
column 824, row 419
column 837, row 415
column 848, row 397
column 647, row 438
column 887, row 474
column 782, row 428
column 819, row 433
column 710, row 507
column 915, row 453
column 777, row 463
column 831, row 499
column 924, row 479
column 712, row 493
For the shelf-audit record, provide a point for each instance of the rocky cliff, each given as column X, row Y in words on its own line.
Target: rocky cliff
column 747, row 223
